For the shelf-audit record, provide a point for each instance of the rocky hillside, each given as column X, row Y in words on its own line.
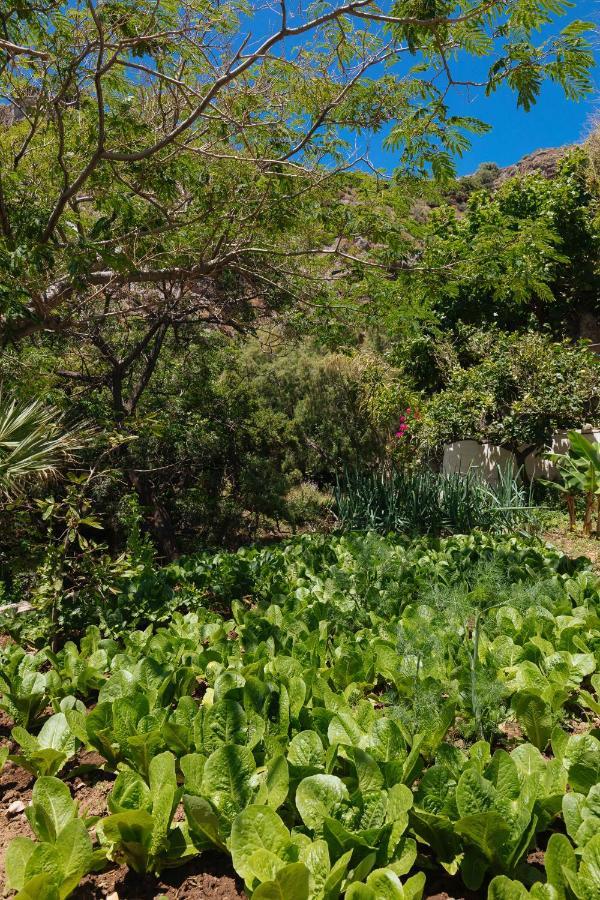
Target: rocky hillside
column 543, row 161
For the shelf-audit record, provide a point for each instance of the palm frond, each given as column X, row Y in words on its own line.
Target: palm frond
column 34, row 442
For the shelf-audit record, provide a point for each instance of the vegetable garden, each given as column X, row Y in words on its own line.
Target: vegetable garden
column 246, row 304
column 348, row 716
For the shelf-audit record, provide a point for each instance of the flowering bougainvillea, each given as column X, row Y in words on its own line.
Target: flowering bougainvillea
column 403, row 422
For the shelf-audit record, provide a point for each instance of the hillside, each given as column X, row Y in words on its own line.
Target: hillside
column 545, row 161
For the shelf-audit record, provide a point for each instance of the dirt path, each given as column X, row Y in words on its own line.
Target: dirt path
column 575, row 544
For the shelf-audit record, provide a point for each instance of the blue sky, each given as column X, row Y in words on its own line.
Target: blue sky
column 554, row 121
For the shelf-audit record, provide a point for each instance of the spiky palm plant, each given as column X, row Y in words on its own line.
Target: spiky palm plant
column 33, row 443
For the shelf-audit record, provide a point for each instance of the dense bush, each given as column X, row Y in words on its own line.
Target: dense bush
column 511, row 389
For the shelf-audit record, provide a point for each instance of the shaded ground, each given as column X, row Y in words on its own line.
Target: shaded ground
column 575, row 544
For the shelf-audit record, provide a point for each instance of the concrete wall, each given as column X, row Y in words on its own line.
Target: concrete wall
column 486, row 458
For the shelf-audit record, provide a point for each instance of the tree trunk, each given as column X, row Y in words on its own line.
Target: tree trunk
column 587, row 519
column 162, row 525
column 571, row 508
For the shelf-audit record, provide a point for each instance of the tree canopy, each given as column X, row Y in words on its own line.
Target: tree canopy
column 177, row 147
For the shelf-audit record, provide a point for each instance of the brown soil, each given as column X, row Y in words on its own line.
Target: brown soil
column 511, row 733
column 583, row 725
column 575, row 544
column 6, row 724
column 207, row 877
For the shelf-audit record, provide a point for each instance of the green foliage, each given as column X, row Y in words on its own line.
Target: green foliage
column 33, row 443
column 425, row 502
column 512, row 390
column 322, row 752
column 523, row 255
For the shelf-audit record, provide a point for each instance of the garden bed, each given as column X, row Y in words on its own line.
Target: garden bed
column 331, row 716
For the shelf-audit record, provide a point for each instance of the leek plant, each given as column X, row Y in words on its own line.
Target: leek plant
column 431, row 503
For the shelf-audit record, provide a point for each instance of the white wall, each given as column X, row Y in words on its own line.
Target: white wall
column 472, row 456
column 486, row 458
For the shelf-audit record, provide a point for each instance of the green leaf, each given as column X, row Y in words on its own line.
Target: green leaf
column 192, row 767
column 474, row 794
column 41, row 887
column 163, row 790
column 504, row 775
column 275, row 785
column 52, row 808
column 572, row 810
column 400, row 800
column 368, row 773
column 290, row 883
column 385, row 885
column 502, row 888
column 488, row 831
column 203, row 822
column 360, row 892
column 130, row 791
column 45, row 860
column 75, row 850
column 559, row 856
column 228, row 722
column 343, row 729
column 534, row 716
column 226, row 779
column 256, row 828
column 55, row 734
column 265, row 864
column 582, row 761
column 336, row 876
column 589, row 870
column 414, row 887
column 306, row 750
column 17, row 855
column 129, row 835
column 315, row 857
column 319, row 797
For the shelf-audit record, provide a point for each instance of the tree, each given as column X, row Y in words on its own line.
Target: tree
column 178, row 145
column 525, row 254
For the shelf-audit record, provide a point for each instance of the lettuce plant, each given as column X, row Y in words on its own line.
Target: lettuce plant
column 23, row 689
column 51, row 866
column 140, row 832
column 46, row 753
